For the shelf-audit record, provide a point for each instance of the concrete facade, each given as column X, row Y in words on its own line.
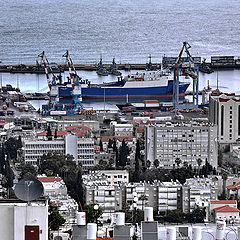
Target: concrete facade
column 82, row 149
column 17, row 215
column 224, row 111
column 187, row 141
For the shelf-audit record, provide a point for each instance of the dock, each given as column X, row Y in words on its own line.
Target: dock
column 216, row 63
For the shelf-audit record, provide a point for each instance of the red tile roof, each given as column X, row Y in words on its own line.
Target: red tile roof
column 49, row 179
column 2, row 122
column 80, row 132
column 59, row 133
column 139, row 129
column 223, row 202
column 96, row 148
column 235, row 186
column 223, row 100
column 226, row 209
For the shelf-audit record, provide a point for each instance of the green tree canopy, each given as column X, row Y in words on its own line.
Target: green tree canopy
column 27, row 170
column 92, row 214
column 55, row 220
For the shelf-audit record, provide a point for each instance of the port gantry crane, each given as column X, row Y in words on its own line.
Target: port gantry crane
column 47, row 66
column 75, row 81
column 186, row 67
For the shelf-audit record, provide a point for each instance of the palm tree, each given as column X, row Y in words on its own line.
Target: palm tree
column 156, row 163
column 178, row 161
column 199, row 162
column 148, row 164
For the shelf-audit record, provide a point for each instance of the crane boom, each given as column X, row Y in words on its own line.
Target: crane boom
column 186, row 67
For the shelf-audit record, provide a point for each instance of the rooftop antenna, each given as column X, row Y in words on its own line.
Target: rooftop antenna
column 217, row 79
column 28, row 189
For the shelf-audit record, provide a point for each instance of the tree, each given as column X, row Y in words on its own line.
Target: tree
column 148, row 163
column 110, row 143
column 55, row 220
column 27, row 170
column 101, row 145
column 196, row 216
column 92, row 214
column 55, row 163
column 156, row 163
column 199, row 162
column 49, row 133
column 11, row 147
column 79, row 189
column 123, row 153
column 174, row 216
column 137, row 167
column 224, row 177
column 178, row 161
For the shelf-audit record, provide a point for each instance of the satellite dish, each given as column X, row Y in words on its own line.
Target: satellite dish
column 28, row 189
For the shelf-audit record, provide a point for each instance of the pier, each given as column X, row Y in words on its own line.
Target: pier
column 216, row 63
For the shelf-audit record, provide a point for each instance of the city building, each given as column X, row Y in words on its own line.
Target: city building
column 140, row 195
column 122, row 129
column 169, row 196
column 22, row 220
column 188, row 141
column 224, row 111
column 116, row 176
column 53, row 186
column 224, row 210
column 197, row 192
column 82, row 149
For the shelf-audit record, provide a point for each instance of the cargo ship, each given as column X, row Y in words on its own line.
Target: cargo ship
column 148, row 84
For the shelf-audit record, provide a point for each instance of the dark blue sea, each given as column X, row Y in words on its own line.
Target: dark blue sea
column 128, row 30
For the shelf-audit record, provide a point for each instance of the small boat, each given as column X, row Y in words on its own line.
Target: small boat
column 101, row 70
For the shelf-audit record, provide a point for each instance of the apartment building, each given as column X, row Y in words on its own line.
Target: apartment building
column 169, row 196
column 224, row 111
column 116, row 176
column 142, row 194
column 82, row 149
column 187, row 141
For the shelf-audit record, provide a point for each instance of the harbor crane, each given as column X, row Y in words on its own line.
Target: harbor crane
column 47, row 66
column 70, row 65
column 75, row 81
column 185, row 67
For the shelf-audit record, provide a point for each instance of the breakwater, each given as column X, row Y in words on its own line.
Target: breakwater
column 216, row 62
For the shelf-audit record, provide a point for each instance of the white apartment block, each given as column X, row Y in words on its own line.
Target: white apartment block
column 224, row 111
column 169, row 196
column 188, row 141
column 108, row 197
column 82, row 149
column 116, row 176
column 122, row 129
column 197, row 192
column 142, row 194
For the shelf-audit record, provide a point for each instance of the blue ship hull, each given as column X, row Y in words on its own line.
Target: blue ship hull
column 133, row 93
column 93, row 92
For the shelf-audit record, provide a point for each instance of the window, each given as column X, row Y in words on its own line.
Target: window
column 222, row 119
